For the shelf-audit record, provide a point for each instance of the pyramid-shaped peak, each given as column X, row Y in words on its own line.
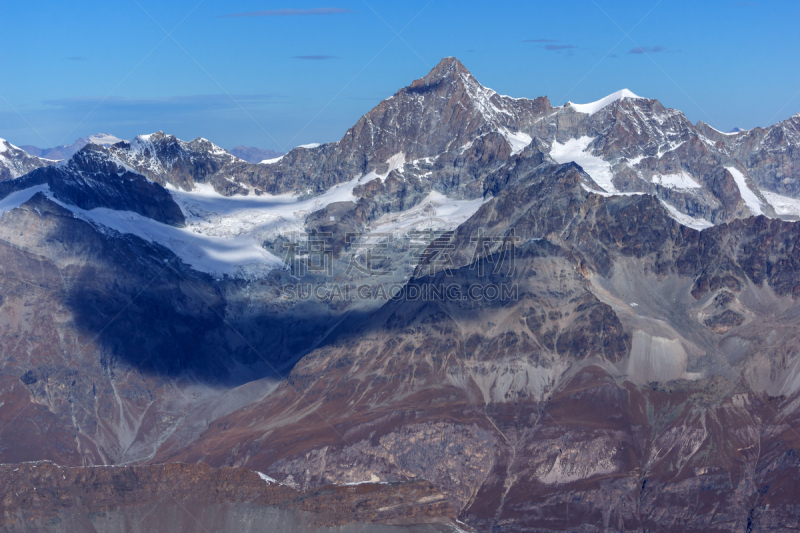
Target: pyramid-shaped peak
column 448, row 68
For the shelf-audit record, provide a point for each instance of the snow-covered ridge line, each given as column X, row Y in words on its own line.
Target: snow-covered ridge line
column 728, row 133
column 16, row 199
column 594, row 107
column 104, row 139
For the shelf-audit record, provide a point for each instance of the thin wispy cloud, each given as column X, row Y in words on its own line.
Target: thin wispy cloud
column 551, row 45
column 647, row 50
column 289, row 13
column 315, row 58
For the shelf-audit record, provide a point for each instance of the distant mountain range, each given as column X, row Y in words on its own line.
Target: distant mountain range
column 66, row 151
column 246, row 153
column 608, row 338
column 254, row 155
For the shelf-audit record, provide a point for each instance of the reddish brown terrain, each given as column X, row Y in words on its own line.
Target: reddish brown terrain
column 45, row 496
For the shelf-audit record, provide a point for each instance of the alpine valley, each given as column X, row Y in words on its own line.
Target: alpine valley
column 170, row 352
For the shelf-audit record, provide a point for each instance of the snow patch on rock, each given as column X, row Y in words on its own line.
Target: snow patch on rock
column 396, row 162
column 783, row 205
column 686, row 220
column 680, row 180
column 267, row 479
column 436, row 212
column 575, row 150
column 752, row 201
column 518, row 140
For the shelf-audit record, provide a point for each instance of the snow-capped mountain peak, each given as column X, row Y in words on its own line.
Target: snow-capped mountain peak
column 104, row 139
column 594, row 107
column 16, row 162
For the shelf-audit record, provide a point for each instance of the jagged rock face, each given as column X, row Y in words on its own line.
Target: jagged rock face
column 771, row 155
column 15, row 162
column 166, row 159
column 55, row 498
column 93, row 178
column 439, row 116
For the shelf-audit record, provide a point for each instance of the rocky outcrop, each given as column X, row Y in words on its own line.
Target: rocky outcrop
column 771, row 155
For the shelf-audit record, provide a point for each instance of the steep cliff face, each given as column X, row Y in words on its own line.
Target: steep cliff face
column 771, row 155
column 166, row 159
column 93, row 178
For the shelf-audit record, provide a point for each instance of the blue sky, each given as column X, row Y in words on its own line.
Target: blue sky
column 288, row 73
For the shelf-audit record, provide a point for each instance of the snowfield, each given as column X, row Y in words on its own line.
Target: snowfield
column 783, row 205
column 16, row 199
column 750, row 199
column 681, row 180
column 594, row 107
column 682, row 218
column 436, row 212
column 518, row 140
column 574, row 150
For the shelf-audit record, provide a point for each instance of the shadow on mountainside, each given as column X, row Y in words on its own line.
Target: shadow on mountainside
column 136, row 305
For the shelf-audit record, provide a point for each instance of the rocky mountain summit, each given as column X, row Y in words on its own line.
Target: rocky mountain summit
column 471, row 312
column 93, row 178
column 16, row 162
